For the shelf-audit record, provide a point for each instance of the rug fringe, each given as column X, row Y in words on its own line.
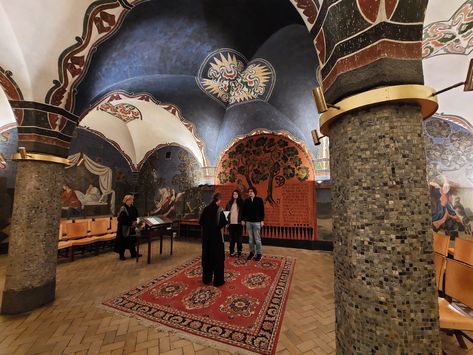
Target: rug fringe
column 181, row 334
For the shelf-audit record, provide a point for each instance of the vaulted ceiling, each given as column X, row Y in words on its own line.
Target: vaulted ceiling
column 141, row 68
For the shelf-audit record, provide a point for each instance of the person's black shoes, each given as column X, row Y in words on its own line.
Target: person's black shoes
column 232, row 254
column 218, row 284
column 258, row 257
column 250, row 256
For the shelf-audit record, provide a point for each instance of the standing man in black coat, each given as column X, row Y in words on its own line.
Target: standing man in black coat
column 212, row 221
column 253, row 216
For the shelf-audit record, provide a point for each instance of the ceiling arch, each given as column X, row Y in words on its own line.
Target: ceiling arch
column 138, row 124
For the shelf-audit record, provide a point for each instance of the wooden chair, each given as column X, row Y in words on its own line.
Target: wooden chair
column 99, row 226
column 441, row 243
column 78, row 229
column 440, row 263
column 463, row 251
column 100, row 229
column 458, row 286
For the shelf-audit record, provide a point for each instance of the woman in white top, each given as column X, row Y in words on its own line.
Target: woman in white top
column 235, row 229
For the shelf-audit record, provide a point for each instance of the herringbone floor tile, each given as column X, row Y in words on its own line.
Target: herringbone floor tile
column 75, row 323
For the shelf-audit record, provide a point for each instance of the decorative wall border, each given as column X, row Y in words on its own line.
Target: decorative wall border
column 102, row 19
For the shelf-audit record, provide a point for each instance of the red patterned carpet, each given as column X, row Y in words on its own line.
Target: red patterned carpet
column 245, row 313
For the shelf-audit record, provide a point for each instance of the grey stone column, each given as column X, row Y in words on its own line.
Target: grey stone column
column 385, row 293
column 32, row 257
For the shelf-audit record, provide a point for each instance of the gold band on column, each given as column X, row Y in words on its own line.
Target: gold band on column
column 410, row 94
column 41, row 157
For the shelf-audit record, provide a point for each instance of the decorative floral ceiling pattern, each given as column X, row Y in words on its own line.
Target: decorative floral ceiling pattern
column 227, row 77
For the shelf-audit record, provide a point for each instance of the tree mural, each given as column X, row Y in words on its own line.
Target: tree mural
column 188, row 168
column 149, row 182
column 263, row 158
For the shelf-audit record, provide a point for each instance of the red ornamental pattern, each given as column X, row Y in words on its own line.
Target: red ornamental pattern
column 56, row 122
column 308, row 9
column 169, row 290
column 370, row 9
column 203, row 297
column 239, row 305
column 258, row 280
column 100, row 23
column 454, row 36
column 239, row 317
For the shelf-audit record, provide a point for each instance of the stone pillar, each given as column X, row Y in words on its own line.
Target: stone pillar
column 31, row 271
column 384, row 277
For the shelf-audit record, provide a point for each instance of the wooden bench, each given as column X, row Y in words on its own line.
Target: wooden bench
column 83, row 235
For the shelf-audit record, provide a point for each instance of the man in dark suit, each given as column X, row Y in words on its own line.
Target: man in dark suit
column 253, row 216
column 212, row 221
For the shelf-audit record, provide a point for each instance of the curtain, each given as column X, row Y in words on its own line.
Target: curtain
column 105, row 177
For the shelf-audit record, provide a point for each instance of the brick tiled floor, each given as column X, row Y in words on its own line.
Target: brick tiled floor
column 76, row 324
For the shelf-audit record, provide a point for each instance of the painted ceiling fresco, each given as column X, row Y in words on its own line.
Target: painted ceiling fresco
column 228, row 67
column 226, row 76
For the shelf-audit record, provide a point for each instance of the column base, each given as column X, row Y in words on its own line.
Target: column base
column 14, row 302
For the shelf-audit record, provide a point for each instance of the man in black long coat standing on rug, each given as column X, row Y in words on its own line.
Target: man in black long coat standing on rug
column 212, row 221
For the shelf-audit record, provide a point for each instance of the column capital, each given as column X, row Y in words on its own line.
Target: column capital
column 399, row 94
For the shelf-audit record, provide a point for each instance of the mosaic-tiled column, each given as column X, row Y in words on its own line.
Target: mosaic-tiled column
column 384, row 275
column 384, row 288
column 45, row 132
column 32, row 256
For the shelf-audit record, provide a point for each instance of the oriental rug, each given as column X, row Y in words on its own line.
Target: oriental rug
column 244, row 315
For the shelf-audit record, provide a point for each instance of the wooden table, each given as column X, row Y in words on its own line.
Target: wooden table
column 187, row 223
column 155, row 227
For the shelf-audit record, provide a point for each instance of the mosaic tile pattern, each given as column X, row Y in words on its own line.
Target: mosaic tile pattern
column 32, row 254
column 384, row 276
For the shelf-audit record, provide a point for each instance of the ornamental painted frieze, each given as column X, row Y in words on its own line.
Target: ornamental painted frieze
column 350, row 35
column 453, row 36
column 124, row 111
column 308, row 10
column 227, row 77
column 102, row 19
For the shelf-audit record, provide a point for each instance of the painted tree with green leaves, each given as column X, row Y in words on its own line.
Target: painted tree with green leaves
column 263, row 158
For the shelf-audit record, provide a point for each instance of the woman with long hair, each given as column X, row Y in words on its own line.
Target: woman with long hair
column 235, row 229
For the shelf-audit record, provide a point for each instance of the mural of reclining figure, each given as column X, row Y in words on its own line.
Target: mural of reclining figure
column 92, row 194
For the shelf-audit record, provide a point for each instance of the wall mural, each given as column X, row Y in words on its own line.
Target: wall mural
column 99, row 192
column 163, row 181
column 449, row 149
column 452, row 36
column 283, row 174
column 227, row 77
column 98, row 177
